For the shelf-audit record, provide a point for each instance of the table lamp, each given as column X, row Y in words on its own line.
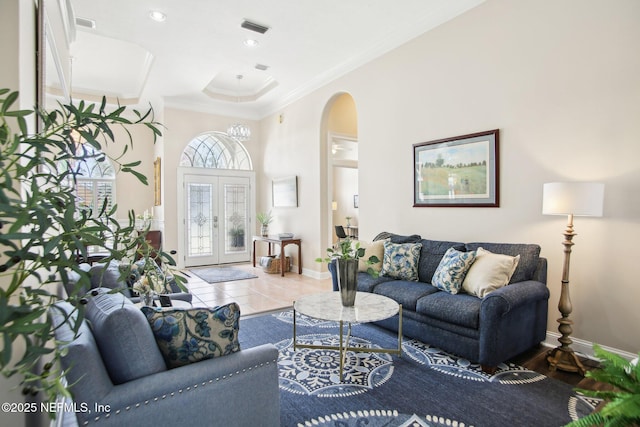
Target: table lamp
column 571, row 199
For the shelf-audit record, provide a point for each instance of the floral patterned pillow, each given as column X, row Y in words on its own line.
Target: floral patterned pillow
column 452, row 270
column 400, row 260
column 191, row 335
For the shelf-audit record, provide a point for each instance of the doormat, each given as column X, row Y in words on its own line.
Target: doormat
column 221, row 274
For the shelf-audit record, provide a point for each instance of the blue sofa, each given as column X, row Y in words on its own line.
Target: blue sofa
column 118, row 375
column 488, row 330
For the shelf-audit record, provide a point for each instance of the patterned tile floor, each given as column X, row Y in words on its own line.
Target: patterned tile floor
column 267, row 292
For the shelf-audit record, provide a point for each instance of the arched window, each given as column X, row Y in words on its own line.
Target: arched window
column 216, row 150
column 95, row 180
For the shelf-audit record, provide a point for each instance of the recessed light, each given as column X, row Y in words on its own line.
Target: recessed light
column 251, row 42
column 157, row 16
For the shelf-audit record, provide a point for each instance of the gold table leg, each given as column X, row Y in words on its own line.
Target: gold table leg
column 343, row 347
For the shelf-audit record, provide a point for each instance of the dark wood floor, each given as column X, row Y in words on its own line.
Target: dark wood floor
column 535, row 360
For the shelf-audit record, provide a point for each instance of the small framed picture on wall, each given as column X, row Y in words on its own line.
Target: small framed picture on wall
column 285, row 192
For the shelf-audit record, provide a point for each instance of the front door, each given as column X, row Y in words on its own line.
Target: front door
column 216, row 219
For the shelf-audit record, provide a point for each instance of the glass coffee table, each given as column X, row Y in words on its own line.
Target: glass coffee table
column 367, row 308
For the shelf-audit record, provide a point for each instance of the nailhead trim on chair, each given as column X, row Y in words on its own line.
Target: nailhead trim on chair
column 195, row 386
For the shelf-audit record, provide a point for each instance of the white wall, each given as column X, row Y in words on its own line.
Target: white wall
column 560, row 81
column 17, row 20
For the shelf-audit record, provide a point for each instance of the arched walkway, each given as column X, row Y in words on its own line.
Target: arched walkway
column 339, row 154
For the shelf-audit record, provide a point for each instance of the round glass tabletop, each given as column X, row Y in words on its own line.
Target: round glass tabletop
column 328, row 306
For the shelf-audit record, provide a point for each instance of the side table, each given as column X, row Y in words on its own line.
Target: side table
column 283, row 242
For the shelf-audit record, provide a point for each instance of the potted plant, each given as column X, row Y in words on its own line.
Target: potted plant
column 622, row 406
column 44, row 230
column 264, row 218
column 236, row 232
column 347, row 258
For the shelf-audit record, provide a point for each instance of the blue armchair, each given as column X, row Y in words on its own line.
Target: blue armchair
column 117, row 374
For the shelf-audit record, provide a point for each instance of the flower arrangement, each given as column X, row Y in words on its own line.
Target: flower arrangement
column 148, row 278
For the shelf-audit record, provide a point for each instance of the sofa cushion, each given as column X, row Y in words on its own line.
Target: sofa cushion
column 371, row 249
column 190, row 335
column 367, row 283
column 461, row 309
column 400, row 260
column 489, row 272
column 126, row 343
column 452, row 270
column 108, row 276
column 404, row 292
column 431, row 255
column 529, row 254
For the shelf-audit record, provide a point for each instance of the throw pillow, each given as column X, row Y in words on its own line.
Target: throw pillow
column 400, row 260
column 489, row 272
column 371, row 249
column 191, row 335
column 452, row 270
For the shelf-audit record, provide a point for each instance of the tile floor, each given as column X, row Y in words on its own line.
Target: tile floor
column 267, row 292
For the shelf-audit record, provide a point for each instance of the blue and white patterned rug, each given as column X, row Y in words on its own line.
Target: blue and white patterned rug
column 424, row 387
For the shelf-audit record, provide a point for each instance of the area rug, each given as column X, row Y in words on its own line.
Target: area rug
column 424, row 387
column 221, row 274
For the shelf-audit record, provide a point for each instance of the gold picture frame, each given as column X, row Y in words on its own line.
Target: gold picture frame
column 157, row 182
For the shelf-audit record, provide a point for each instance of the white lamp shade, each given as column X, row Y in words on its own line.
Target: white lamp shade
column 573, row 198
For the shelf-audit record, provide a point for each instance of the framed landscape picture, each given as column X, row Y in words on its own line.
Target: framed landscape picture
column 461, row 171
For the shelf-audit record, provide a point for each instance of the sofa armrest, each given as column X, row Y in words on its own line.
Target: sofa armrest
column 243, row 384
column 514, row 295
column 183, row 296
column 334, row 275
column 512, row 320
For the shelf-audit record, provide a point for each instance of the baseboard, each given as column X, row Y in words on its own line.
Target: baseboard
column 313, row 273
column 585, row 348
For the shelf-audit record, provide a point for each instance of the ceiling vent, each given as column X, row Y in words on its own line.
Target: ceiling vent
column 86, row 22
column 262, row 67
column 252, row 26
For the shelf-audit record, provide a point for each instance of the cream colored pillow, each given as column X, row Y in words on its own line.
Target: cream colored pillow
column 489, row 272
column 376, row 248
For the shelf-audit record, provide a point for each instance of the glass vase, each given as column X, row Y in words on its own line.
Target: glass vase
column 147, row 299
column 347, row 280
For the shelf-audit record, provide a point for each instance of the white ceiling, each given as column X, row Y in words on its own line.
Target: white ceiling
column 192, row 59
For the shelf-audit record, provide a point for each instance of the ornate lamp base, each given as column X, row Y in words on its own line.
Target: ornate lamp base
column 565, row 360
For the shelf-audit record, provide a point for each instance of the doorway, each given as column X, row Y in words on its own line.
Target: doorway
column 216, row 200
column 216, row 212
column 340, row 167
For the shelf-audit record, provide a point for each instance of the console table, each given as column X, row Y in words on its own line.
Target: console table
column 283, row 242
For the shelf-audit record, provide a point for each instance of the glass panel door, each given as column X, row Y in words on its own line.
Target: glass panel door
column 235, row 204
column 201, row 221
column 216, row 219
